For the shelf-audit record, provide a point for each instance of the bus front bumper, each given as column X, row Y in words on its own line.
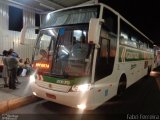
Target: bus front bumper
column 72, row 99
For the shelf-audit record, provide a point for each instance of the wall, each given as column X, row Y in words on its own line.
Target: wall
column 11, row 39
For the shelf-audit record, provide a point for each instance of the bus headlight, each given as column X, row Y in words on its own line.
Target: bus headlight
column 34, row 93
column 81, row 88
column 81, row 106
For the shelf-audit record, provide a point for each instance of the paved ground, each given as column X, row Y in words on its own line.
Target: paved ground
column 22, row 90
column 11, row 99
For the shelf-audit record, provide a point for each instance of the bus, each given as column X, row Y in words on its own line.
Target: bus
column 85, row 55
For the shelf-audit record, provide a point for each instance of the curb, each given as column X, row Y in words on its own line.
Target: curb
column 6, row 106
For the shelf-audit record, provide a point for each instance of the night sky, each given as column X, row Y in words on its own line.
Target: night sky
column 143, row 14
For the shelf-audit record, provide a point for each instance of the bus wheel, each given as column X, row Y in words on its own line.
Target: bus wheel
column 122, row 85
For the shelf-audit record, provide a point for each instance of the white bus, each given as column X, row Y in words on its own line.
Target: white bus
column 85, row 55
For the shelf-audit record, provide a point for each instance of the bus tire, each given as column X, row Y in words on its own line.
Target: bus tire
column 121, row 85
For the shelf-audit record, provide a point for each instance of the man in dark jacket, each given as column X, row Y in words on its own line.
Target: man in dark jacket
column 12, row 63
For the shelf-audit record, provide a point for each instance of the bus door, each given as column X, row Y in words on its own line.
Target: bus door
column 104, row 64
column 106, row 57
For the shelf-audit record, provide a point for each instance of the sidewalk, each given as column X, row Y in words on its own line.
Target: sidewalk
column 11, row 99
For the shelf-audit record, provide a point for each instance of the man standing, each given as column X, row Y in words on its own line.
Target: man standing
column 16, row 56
column 5, row 68
column 12, row 63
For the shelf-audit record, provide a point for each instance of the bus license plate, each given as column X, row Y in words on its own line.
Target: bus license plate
column 50, row 96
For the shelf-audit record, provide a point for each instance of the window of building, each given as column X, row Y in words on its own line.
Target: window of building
column 15, row 18
column 37, row 22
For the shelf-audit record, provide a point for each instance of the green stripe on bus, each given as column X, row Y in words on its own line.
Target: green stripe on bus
column 126, row 54
column 63, row 81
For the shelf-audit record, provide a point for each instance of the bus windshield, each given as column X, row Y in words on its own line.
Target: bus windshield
column 66, row 49
column 70, row 16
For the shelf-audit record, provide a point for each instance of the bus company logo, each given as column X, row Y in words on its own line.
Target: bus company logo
column 133, row 66
column 132, row 55
column 123, row 55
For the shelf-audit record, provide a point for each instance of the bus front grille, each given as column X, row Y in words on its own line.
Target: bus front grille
column 53, row 86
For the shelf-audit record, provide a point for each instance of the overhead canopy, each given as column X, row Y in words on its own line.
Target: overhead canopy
column 47, row 5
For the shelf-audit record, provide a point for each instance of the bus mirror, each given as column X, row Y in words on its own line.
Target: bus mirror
column 23, row 33
column 94, row 30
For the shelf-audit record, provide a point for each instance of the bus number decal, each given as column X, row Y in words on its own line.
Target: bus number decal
column 65, row 82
